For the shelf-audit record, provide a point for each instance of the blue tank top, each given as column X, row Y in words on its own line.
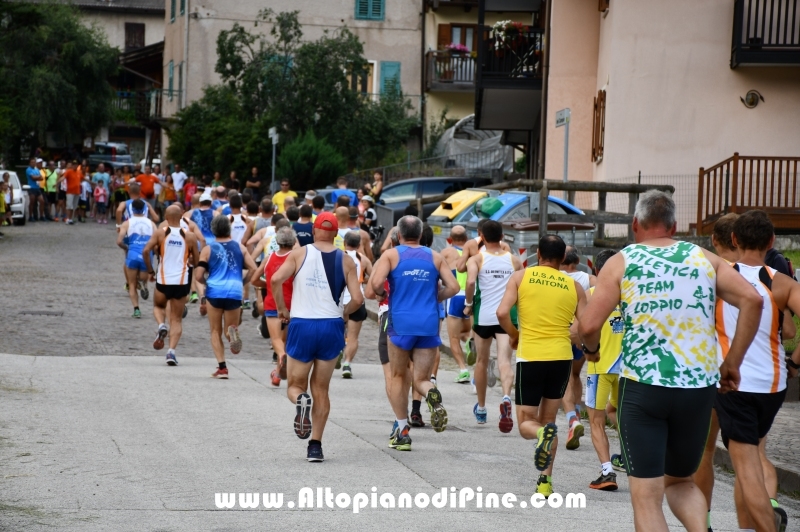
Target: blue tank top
column 413, row 293
column 225, row 270
column 203, row 221
column 305, row 233
column 127, row 214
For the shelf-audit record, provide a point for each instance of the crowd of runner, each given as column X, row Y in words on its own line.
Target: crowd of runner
column 679, row 343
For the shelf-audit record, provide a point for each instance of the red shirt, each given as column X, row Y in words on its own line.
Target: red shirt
column 73, row 179
column 274, row 262
column 188, row 192
column 147, row 185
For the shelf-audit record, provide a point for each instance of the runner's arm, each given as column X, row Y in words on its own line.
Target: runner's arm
column 258, row 249
column 249, row 264
column 505, row 306
column 255, row 238
column 450, row 285
column 472, row 278
column 200, row 270
column 191, row 240
column 467, row 251
column 387, row 242
column 516, row 262
column 121, row 232
column 788, row 328
column 120, row 210
column 366, row 245
column 262, row 272
column 153, row 215
column 148, row 248
column 353, row 285
column 366, row 267
column 604, row 300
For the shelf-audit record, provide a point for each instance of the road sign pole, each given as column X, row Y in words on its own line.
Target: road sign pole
column 563, row 119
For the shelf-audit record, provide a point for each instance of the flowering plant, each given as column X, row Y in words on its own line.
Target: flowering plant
column 457, row 47
column 506, row 32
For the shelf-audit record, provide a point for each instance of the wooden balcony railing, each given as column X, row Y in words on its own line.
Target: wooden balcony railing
column 741, row 183
column 449, row 71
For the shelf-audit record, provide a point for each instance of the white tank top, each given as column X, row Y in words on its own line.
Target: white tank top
column 238, row 226
column 582, row 278
column 763, row 369
column 492, row 280
column 140, row 226
column 354, row 255
column 184, row 225
column 311, row 296
column 174, row 254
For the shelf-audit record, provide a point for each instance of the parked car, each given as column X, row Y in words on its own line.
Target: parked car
column 114, row 154
column 401, row 194
column 19, row 206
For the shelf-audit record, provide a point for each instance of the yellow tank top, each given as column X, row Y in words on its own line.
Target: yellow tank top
column 546, row 303
column 610, row 344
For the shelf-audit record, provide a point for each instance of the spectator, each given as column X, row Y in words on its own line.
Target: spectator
column 178, row 181
column 254, row 182
column 35, row 192
column 101, row 178
column 50, row 180
column 100, row 198
column 118, row 194
column 343, row 201
column 342, row 190
column 310, row 195
column 8, row 197
column 222, row 199
column 147, row 182
column 189, row 190
column 233, row 183
column 61, row 194
column 73, row 178
column 169, row 193
column 5, row 210
column 216, row 181
column 370, row 216
column 377, row 186
column 279, row 197
column 83, row 202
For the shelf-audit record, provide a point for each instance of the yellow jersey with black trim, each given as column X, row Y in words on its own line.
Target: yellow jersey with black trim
column 610, row 344
column 546, row 303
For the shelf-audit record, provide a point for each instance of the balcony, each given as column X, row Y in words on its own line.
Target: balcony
column 766, row 32
column 141, row 106
column 447, row 71
column 509, row 77
column 466, row 4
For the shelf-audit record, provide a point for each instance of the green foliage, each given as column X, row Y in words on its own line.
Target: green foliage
column 521, row 164
column 54, row 73
column 434, row 131
column 311, row 161
column 280, row 80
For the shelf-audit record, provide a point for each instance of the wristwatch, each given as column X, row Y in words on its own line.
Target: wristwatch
column 589, row 351
column 791, row 363
column 203, row 300
column 153, row 273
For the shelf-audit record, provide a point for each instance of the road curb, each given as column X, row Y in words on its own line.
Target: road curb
column 788, row 480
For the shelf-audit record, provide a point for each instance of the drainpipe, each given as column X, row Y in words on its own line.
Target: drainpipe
column 545, row 76
column 422, row 98
column 185, row 55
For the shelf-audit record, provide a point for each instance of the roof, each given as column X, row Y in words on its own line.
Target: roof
column 156, row 7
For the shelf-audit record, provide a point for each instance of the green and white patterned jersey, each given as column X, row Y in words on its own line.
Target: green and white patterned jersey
column 667, row 301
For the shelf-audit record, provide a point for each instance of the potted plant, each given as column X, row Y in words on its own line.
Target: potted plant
column 507, row 34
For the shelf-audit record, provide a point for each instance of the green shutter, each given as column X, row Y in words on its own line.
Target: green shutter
column 170, row 74
column 376, row 9
column 370, row 9
column 390, row 76
column 172, row 11
column 183, row 7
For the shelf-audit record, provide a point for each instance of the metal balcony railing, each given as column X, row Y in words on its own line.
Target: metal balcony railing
column 766, row 32
column 144, row 105
column 511, row 56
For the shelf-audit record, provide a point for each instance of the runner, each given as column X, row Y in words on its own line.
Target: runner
column 132, row 238
column 202, row 216
column 544, row 355
column 488, row 273
column 473, row 246
column 352, row 241
column 366, row 242
column 342, row 220
column 239, row 223
column 413, row 272
column 602, row 384
column 225, row 261
column 177, row 251
column 316, row 328
column 666, row 290
column 458, row 323
column 304, row 227
column 746, row 414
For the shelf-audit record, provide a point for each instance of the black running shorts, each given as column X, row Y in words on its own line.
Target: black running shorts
column 174, row 291
column 360, row 314
column 383, row 339
column 488, row 331
column 746, row 417
column 536, row 380
column 663, row 431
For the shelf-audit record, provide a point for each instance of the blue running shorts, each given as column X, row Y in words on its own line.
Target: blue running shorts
column 455, row 307
column 135, row 261
column 310, row 340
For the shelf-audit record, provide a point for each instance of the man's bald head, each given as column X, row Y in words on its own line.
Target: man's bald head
column 133, row 190
column 458, row 235
column 195, row 199
column 342, row 216
column 173, row 215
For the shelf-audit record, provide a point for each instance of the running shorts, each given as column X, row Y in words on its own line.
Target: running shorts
column 746, row 417
column 454, row 307
column 409, row 343
column 360, row 314
column 72, row 201
column 383, row 341
column 62, row 195
column 83, row 204
column 544, row 379
column 52, row 197
column 577, row 354
column 224, row 303
column 271, row 313
column 663, row 431
column 488, row 331
column 600, row 389
column 34, row 192
column 135, row 261
column 173, row 291
column 310, row 340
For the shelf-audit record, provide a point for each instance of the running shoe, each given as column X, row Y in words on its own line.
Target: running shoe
column 274, row 357
column 144, row 293
column 605, row 482
column 185, row 312
column 302, row 421
column 506, row 421
column 158, row 343
column 126, row 287
column 544, row 486
column 480, row 414
column 491, row 375
column 574, row 435
column 394, row 429
column 347, row 373
column 401, row 441
column 203, row 309
column 542, row 455
column 463, row 377
column 261, row 331
column 470, row 352
column 282, row 368
column 246, row 304
column 781, row 519
column 415, row 419
column 171, row 360
column 193, row 298
column 220, row 373
column 433, row 379
column 70, row 222
column 137, row 313
column 339, row 360
column 275, row 378
column 438, row 413
column 255, row 312
column 235, row 340
column 618, row 463
column 315, row 452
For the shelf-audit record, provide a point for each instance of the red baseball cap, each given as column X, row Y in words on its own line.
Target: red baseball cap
column 326, row 221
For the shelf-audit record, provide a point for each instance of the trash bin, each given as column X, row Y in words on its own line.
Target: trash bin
column 453, row 211
column 512, row 206
column 523, row 237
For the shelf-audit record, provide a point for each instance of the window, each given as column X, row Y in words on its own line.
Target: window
column 134, row 36
column 599, row 126
column 362, row 79
column 180, row 84
column 390, row 76
column 465, row 34
column 183, row 7
column 401, row 192
column 170, row 74
column 603, row 5
column 172, row 11
column 369, row 9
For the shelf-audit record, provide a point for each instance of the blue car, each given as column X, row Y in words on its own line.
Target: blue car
column 519, row 206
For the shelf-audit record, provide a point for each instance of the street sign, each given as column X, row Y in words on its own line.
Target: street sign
column 273, row 131
column 562, row 117
column 275, row 138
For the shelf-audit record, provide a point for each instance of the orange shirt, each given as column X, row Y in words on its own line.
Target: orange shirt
column 73, row 179
column 147, row 185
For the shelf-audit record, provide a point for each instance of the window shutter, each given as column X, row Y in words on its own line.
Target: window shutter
column 362, row 9
column 390, row 76
column 172, row 11
column 599, row 126
column 376, row 9
column 444, row 36
column 170, row 74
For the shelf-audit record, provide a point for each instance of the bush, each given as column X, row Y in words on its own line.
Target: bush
column 309, row 162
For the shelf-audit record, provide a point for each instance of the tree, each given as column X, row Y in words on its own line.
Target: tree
column 54, row 74
column 311, row 161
